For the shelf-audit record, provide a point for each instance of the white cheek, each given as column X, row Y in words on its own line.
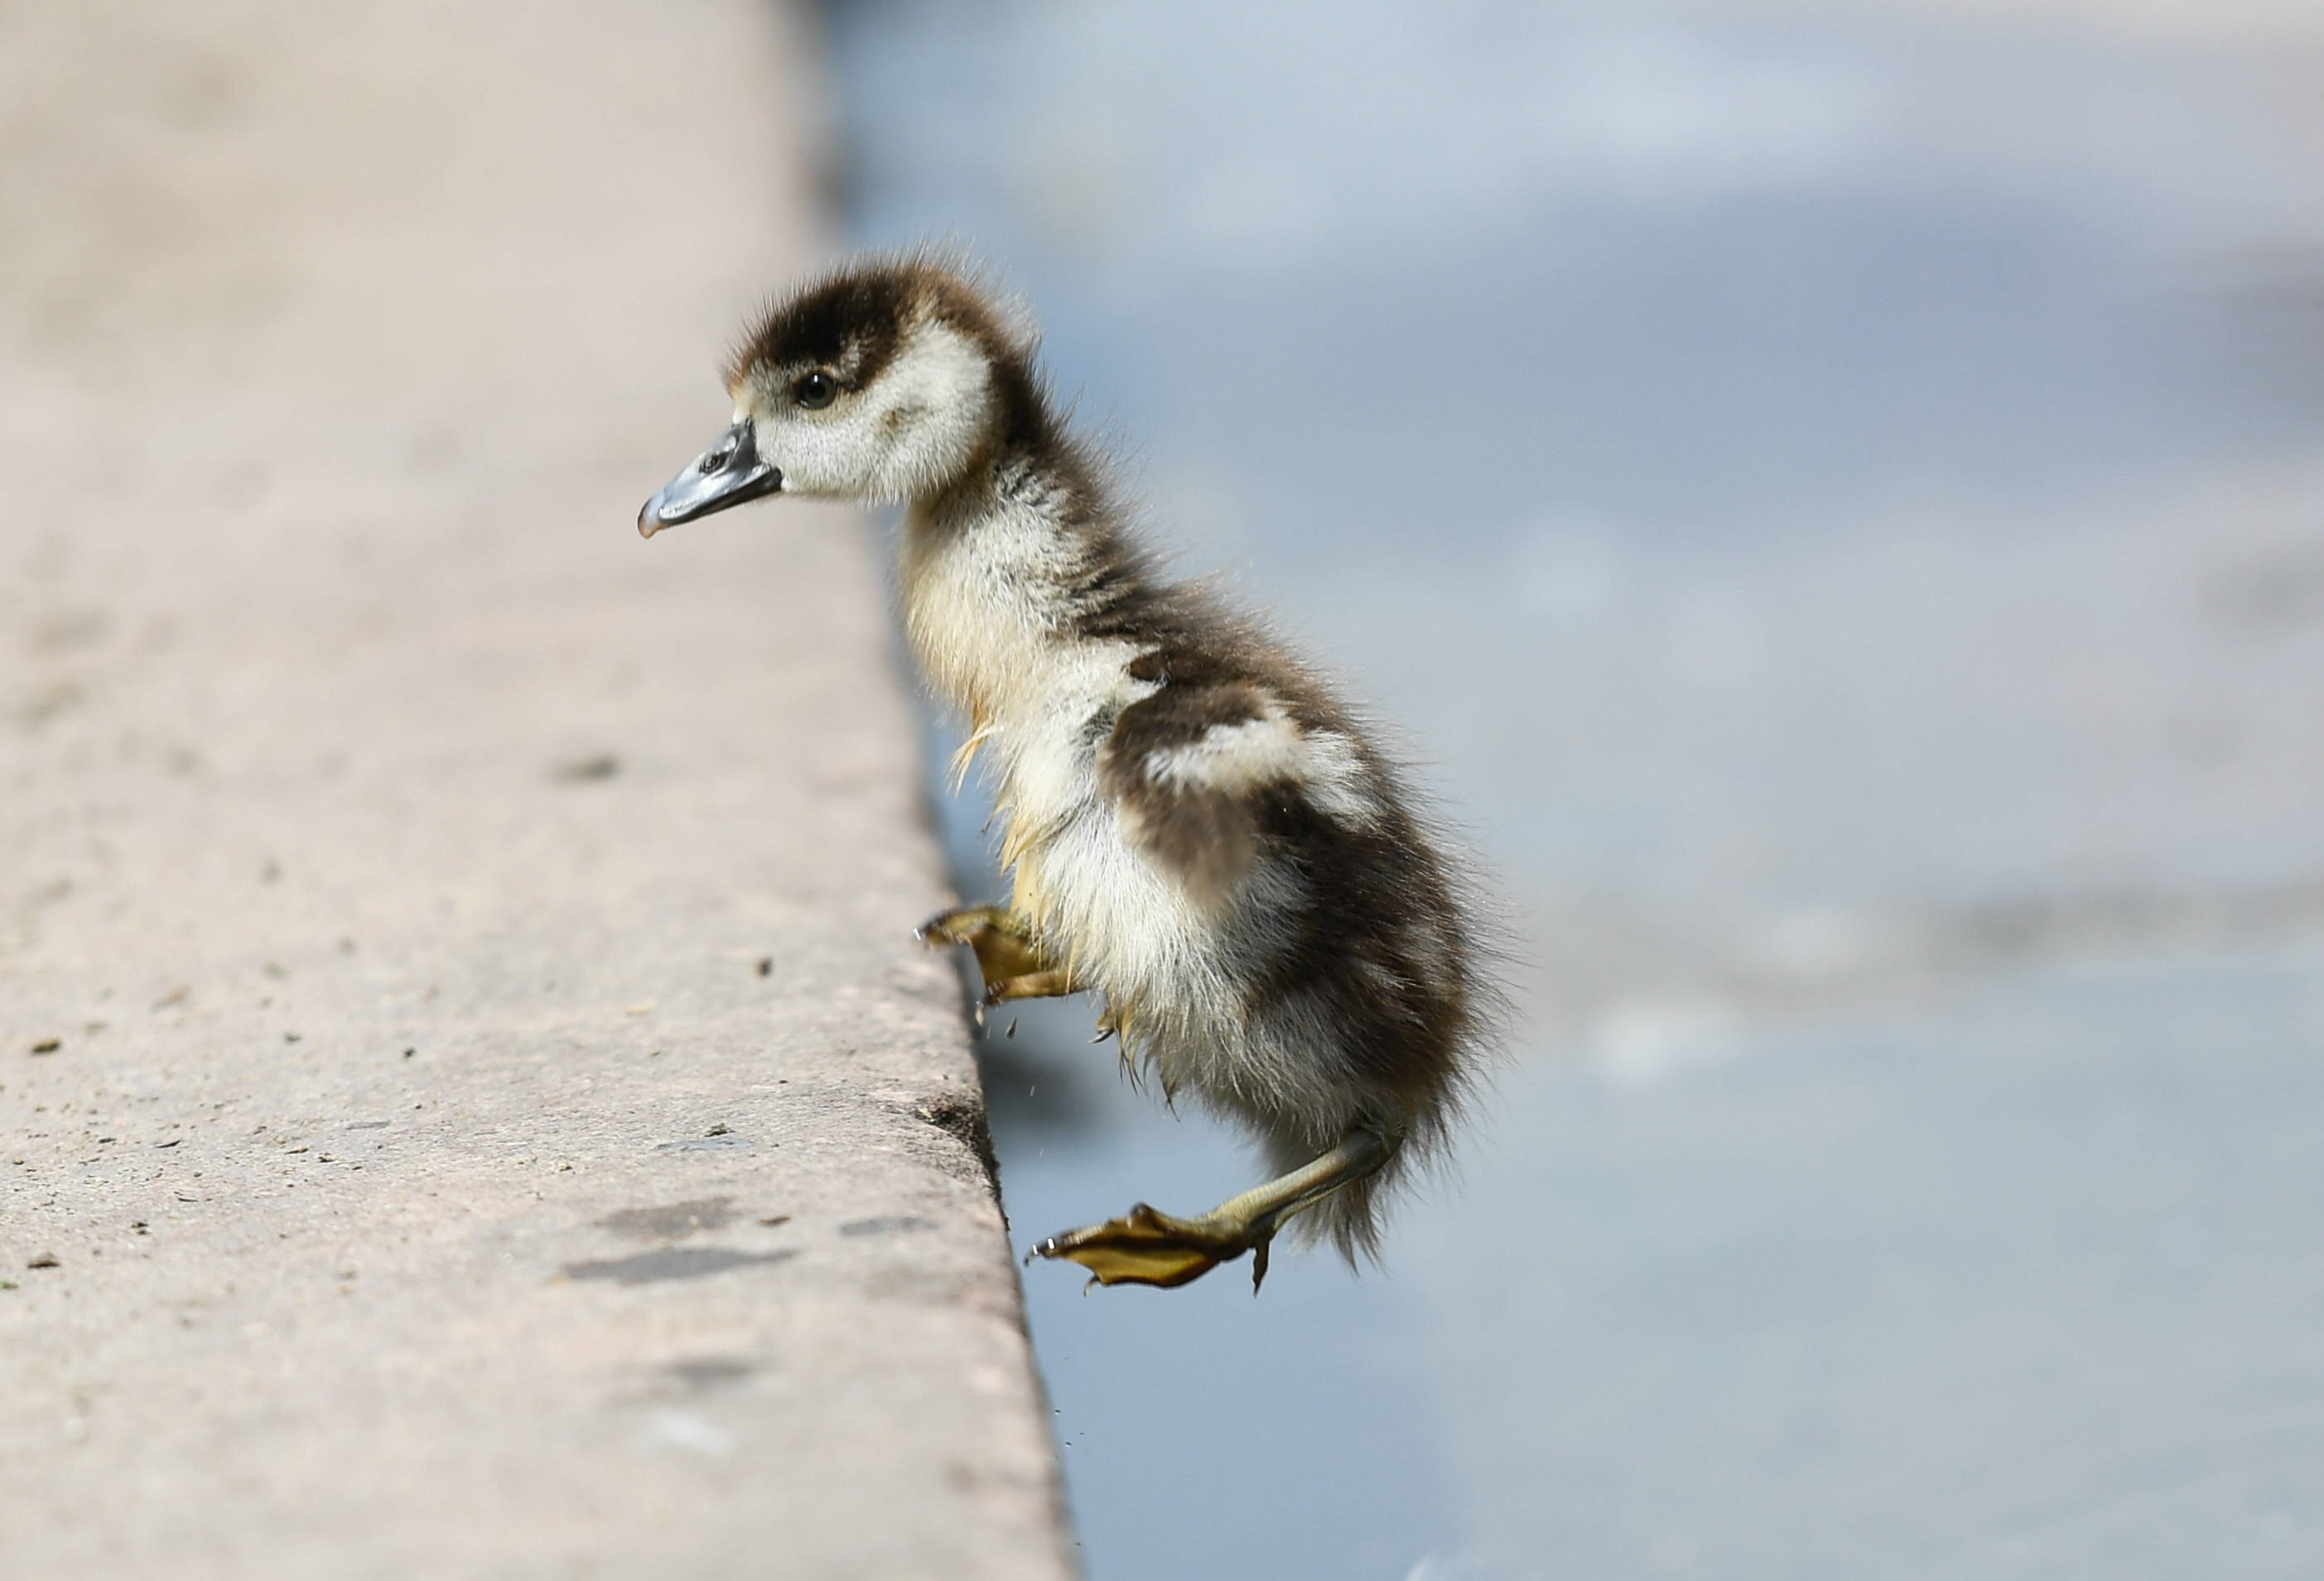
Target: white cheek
column 921, row 420
column 833, row 456
column 931, row 404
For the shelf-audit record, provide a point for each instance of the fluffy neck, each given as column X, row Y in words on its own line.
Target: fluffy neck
column 1013, row 582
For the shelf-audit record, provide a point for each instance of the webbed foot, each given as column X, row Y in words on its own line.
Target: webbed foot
column 1031, row 985
column 1149, row 1247
column 1008, row 957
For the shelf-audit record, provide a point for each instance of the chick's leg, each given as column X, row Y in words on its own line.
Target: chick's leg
column 1008, row 957
column 1148, row 1247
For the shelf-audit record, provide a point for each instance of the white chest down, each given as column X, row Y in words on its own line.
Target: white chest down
column 980, row 612
column 1124, row 924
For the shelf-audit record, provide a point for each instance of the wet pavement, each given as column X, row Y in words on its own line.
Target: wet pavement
column 470, row 1101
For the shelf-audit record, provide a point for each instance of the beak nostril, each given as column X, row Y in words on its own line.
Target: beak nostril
column 727, row 473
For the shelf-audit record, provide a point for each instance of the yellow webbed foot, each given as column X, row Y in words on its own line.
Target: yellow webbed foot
column 1149, row 1247
column 1032, row 985
column 1008, row 957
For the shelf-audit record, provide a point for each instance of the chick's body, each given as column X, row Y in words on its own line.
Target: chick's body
column 1196, row 829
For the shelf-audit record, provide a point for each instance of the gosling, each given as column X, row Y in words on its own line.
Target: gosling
column 1197, row 829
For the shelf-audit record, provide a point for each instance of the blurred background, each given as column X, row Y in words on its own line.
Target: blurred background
column 1832, row 497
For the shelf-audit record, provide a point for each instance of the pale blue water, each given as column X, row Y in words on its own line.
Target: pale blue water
column 1835, row 498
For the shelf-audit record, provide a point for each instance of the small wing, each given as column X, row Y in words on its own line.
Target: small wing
column 1185, row 768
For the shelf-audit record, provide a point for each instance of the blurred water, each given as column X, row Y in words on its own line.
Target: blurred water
column 1834, row 495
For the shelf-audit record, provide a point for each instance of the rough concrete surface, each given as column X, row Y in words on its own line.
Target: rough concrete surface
column 469, row 1102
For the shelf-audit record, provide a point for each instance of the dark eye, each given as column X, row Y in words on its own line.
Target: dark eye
column 816, row 389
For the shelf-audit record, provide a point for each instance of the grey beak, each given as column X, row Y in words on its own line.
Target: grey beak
column 727, row 473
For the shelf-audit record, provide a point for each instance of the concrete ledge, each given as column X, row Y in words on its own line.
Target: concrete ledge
column 469, row 1102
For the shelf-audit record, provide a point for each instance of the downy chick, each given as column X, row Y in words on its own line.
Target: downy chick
column 1198, row 830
